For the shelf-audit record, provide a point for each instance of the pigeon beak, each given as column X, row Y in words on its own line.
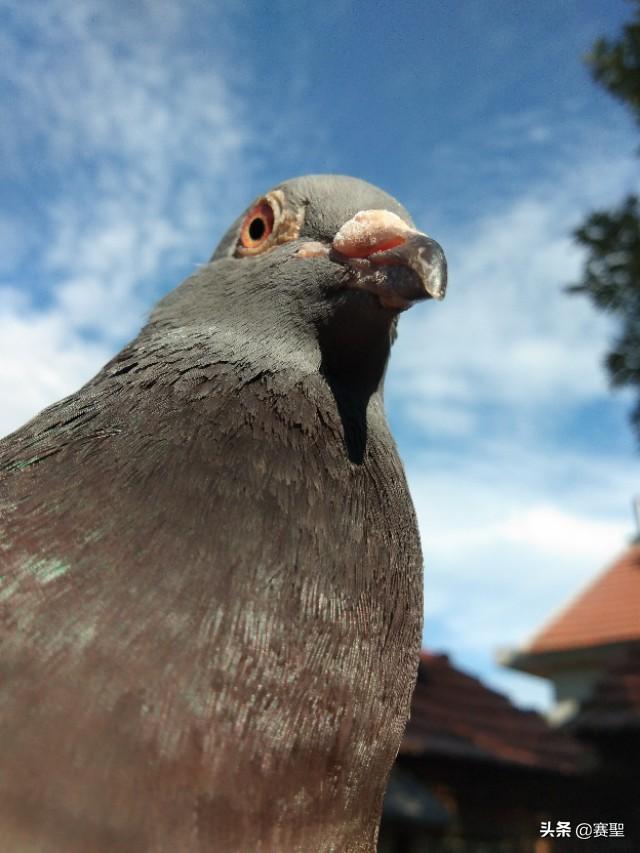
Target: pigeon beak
column 386, row 256
column 375, row 239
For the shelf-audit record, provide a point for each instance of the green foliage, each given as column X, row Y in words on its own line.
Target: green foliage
column 616, row 64
column 611, row 275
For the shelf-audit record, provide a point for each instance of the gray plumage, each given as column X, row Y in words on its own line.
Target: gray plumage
column 211, row 590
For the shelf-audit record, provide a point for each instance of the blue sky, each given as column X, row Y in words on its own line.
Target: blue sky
column 134, row 133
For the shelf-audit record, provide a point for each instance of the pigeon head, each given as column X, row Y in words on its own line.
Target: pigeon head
column 313, row 273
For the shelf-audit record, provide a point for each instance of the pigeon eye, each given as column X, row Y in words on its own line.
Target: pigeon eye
column 270, row 223
column 257, row 227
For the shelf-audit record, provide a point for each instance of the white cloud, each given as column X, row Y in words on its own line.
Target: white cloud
column 549, row 530
column 507, row 334
column 135, row 143
column 510, row 532
column 40, row 361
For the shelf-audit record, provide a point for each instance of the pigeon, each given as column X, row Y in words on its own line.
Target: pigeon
column 210, row 569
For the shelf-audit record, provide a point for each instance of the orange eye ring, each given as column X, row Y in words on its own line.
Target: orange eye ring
column 257, row 227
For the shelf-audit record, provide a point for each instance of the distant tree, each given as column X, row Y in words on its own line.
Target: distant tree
column 611, row 274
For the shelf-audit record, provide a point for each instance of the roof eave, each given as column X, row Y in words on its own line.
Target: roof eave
column 545, row 664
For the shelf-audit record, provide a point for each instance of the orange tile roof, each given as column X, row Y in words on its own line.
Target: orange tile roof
column 607, row 611
column 454, row 715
